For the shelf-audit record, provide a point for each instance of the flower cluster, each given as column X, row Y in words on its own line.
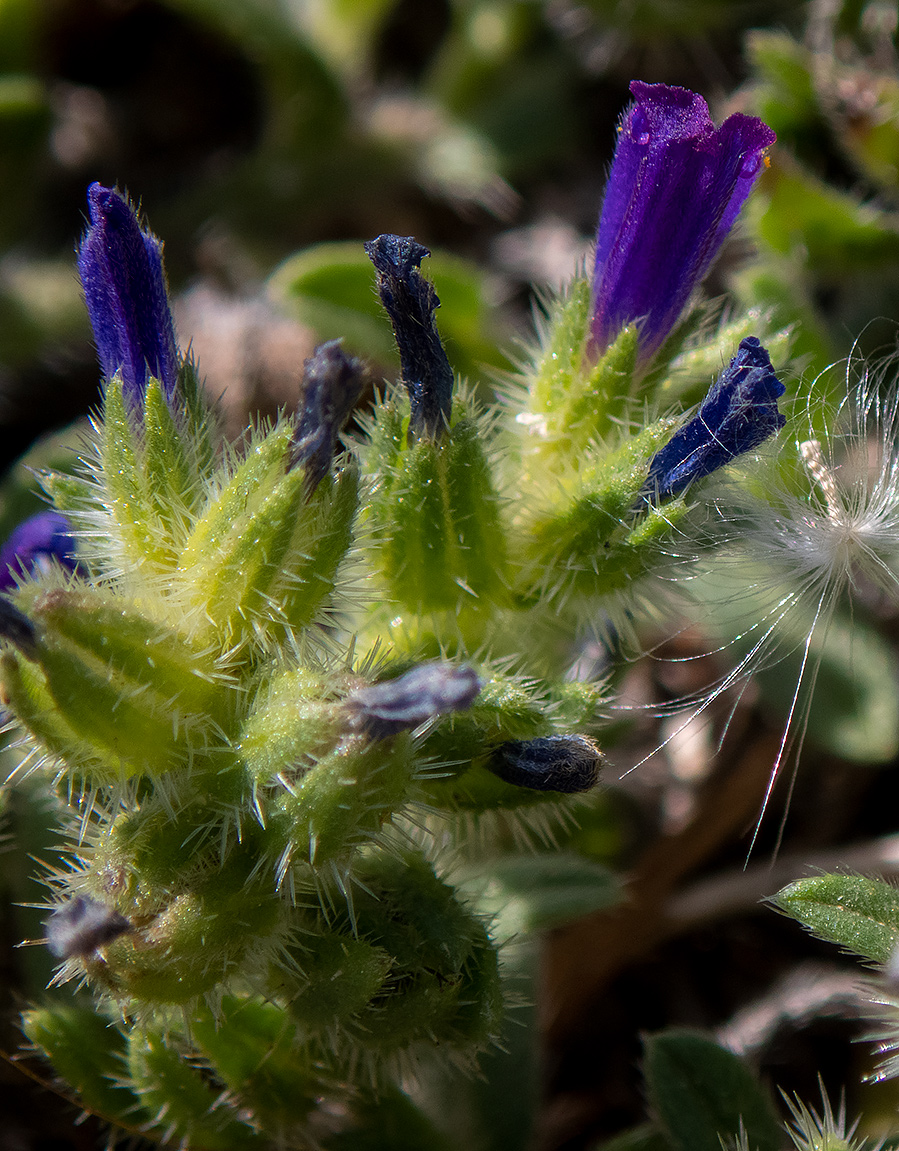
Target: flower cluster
column 292, row 678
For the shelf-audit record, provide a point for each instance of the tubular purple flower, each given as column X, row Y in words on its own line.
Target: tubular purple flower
column 36, row 543
column 676, row 186
column 124, row 288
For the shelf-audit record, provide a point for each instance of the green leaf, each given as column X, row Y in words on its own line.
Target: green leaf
column 533, row 892
column 185, row 1104
column 860, row 914
column 645, row 1137
column 253, row 1048
column 836, row 234
column 702, row 1094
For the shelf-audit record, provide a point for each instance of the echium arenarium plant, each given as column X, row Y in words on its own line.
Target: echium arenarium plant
column 281, row 685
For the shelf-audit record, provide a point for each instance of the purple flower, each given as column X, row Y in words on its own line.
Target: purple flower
column 36, row 543
column 124, row 289
column 676, row 186
column 739, row 413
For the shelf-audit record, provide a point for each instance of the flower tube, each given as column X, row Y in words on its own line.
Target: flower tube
column 676, row 186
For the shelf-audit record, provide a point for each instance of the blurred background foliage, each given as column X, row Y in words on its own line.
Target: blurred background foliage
column 266, row 139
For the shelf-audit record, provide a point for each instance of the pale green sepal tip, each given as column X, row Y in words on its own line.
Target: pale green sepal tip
column 344, row 798
column 126, row 724
column 68, row 493
column 143, row 652
column 474, row 510
column 234, row 584
column 291, row 722
column 26, row 693
column 562, row 354
column 253, row 1047
column 321, row 539
column 265, row 463
column 172, row 479
column 412, row 511
column 437, row 513
column 336, row 977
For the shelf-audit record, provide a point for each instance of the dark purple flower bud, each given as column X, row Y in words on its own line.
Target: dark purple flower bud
column 82, row 925
column 739, row 413
column 332, row 385
column 563, row 763
column 676, row 186
column 124, row 289
column 403, row 703
column 410, row 301
column 35, row 545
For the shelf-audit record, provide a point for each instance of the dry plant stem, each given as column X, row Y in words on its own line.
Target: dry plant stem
column 580, row 959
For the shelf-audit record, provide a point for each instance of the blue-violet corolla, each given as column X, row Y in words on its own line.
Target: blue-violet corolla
column 676, row 185
column 125, row 291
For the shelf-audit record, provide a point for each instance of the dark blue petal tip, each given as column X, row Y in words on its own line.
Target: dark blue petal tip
column 121, row 271
column 738, row 414
column 565, row 763
column 332, row 385
column 410, row 301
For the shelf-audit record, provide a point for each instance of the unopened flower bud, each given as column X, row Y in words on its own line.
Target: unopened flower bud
column 739, row 413
column 332, row 385
column 564, row 763
column 124, row 288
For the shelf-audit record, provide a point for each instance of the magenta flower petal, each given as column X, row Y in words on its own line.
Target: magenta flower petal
column 124, row 288
column 676, row 186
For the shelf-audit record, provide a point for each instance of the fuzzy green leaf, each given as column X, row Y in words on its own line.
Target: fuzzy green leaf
column 143, row 538
column 860, row 914
column 172, row 479
column 252, row 1045
column 180, row 1100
